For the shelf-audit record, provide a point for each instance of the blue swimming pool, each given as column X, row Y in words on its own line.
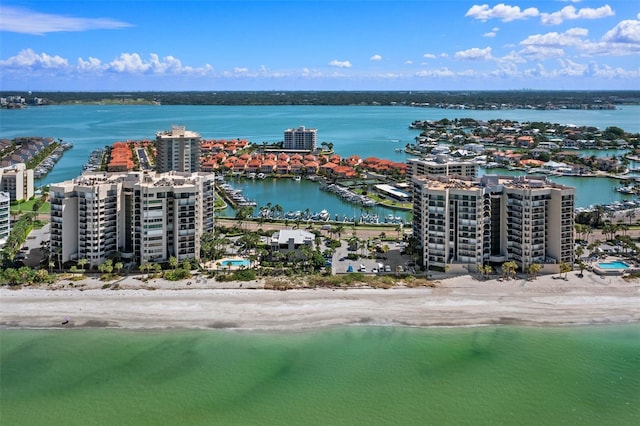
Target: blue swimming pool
column 613, row 265
column 236, row 262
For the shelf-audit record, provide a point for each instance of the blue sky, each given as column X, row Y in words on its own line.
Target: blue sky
column 319, row 45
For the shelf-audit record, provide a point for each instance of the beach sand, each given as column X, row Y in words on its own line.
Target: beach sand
column 458, row 301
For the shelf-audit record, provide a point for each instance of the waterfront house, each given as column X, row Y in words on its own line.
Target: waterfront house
column 282, row 167
column 295, row 167
column 268, row 167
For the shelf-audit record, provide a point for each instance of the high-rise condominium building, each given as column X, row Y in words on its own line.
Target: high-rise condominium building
column 145, row 217
column 441, row 165
column 492, row 220
column 301, row 139
column 5, row 220
column 177, row 149
column 17, row 181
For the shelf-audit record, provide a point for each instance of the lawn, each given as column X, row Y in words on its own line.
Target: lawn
column 27, row 206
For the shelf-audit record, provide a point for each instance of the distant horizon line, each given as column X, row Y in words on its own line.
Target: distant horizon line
column 327, row 91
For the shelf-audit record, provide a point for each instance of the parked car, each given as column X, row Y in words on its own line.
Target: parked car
column 387, row 268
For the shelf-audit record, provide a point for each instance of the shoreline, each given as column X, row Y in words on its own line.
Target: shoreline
column 462, row 301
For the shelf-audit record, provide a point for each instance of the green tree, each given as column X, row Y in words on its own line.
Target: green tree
column 173, row 262
column 82, row 263
column 534, row 269
column 565, row 268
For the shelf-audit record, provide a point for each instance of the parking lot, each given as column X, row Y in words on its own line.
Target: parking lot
column 390, row 262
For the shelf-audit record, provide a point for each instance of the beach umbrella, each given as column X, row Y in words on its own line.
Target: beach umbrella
column 350, row 268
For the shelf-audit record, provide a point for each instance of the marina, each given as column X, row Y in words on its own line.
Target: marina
column 348, row 195
column 233, row 196
column 50, row 161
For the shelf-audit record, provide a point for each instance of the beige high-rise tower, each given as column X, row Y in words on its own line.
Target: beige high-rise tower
column 177, row 149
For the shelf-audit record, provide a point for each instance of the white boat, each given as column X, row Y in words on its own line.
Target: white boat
column 296, row 178
column 261, row 176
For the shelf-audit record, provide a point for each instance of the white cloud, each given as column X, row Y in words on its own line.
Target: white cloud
column 572, row 69
column 441, row 72
column 340, row 64
column 501, row 11
column 240, row 70
column 408, row 62
column 571, row 37
column 475, row 54
column 90, row 65
column 621, row 40
column 376, row 58
column 29, row 59
column 539, row 53
column 429, row 56
column 492, row 33
column 25, row 21
column 627, row 31
column 127, row 63
column 570, row 13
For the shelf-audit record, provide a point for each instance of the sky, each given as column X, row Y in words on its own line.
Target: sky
column 217, row 45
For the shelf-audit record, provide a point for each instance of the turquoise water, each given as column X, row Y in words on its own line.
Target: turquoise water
column 345, row 376
column 236, row 262
column 368, row 131
column 613, row 265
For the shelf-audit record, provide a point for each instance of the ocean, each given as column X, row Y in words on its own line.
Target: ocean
column 344, row 376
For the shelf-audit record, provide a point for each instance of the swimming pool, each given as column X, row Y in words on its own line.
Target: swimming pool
column 613, row 265
column 236, row 262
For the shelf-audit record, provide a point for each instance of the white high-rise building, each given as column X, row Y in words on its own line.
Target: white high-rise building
column 17, row 181
column 300, row 139
column 494, row 219
column 178, row 150
column 145, row 217
column 5, row 219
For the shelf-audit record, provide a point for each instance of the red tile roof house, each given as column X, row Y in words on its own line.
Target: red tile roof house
column 296, row 167
column 282, row 167
column 268, row 166
column 311, row 167
column 328, row 169
column 239, row 166
column 344, row 172
column 253, row 165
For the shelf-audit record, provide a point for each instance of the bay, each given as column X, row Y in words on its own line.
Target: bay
column 368, row 131
column 352, row 375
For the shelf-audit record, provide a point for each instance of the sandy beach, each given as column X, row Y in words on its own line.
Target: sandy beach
column 459, row 301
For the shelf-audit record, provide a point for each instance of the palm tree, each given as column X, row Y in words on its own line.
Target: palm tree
column 565, row 268
column 631, row 214
column 534, row 268
column 488, row 270
column 582, row 266
column 339, row 229
column 173, row 262
column 243, row 213
column 480, row 269
column 145, row 267
column 82, row 263
column 118, row 267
